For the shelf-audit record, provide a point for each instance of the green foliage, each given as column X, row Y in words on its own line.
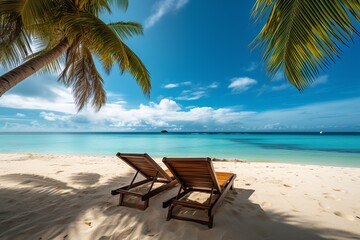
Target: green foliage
column 14, row 43
column 302, row 36
column 49, row 22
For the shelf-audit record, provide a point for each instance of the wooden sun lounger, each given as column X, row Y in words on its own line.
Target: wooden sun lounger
column 197, row 175
column 152, row 172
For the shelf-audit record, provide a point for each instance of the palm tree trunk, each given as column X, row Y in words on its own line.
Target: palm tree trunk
column 20, row 73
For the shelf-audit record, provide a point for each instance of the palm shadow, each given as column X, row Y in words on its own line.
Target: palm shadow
column 48, row 206
column 52, row 209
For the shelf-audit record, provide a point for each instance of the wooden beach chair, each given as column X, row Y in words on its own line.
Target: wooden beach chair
column 151, row 171
column 197, row 175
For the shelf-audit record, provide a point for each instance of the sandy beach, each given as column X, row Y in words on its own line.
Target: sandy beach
column 68, row 197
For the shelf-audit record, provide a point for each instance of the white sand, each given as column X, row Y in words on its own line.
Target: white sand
column 68, row 197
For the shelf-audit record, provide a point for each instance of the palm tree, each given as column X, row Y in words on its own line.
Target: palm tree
column 70, row 34
column 302, row 36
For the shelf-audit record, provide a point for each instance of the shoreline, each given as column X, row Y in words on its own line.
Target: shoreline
column 214, row 159
column 52, row 196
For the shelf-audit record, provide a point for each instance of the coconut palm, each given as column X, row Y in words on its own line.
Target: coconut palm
column 302, row 36
column 69, row 34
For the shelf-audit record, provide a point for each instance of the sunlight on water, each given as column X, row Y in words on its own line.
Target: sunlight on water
column 325, row 149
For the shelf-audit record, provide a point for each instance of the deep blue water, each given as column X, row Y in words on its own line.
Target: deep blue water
column 338, row 149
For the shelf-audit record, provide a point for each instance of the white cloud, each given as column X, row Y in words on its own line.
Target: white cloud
column 172, row 85
column 162, row 8
column 169, row 105
column 241, row 84
column 195, row 93
column 50, row 116
column 320, row 80
column 176, row 85
column 214, row 85
column 58, row 113
column 181, row 3
column 333, row 115
column 189, row 95
column 62, row 103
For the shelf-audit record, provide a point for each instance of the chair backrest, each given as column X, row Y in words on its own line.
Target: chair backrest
column 144, row 164
column 193, row 172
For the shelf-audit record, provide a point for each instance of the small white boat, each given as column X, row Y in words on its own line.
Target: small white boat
column 321, row 132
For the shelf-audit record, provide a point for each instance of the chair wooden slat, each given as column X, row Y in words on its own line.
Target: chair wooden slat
column 197, row 174
column 147, row 167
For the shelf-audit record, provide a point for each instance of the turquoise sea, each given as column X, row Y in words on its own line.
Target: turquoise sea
column 337, row 149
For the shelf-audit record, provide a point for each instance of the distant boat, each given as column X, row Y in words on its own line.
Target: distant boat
column 164, row 131
column 321, row 132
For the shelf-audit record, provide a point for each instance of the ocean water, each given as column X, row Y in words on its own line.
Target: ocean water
column 336, row 149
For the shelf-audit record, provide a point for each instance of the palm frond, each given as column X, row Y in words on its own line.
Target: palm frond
column 8, row 6
column 71, row 56
column 124, row 4
column 14, row 42
column 39, row 11
column 98, row 6
column 97, row 36
column 302, row 36
column 80, row 73
column 125, row 30
column 139, row 71
column 104, row 42
column 94, row 7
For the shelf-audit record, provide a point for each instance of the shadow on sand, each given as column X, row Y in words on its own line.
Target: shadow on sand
column 51, row 209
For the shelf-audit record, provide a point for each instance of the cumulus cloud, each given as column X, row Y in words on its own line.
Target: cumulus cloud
column 166, row 104
column 63, row 102
column 241, row 84
column 58, row 113
column 162, row 8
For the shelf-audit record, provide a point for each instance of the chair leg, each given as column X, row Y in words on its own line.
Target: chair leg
column 121, row 199
column 211, row 220
column 170, row 212
column 146, row 204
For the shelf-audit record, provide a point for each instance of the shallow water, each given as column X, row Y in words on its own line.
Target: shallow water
column 338, row 149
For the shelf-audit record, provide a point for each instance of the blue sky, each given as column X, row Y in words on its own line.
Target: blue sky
column 204, row 78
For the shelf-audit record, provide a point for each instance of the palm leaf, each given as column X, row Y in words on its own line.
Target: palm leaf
column 94, row 7
column 124, row 4
column 139, row 71
column 103, row 41
column 302, row 36
column 14, row 42
column 96, row 35
column 31, row 12
column 97, row 7
column 125, row 30
column 80, row 73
